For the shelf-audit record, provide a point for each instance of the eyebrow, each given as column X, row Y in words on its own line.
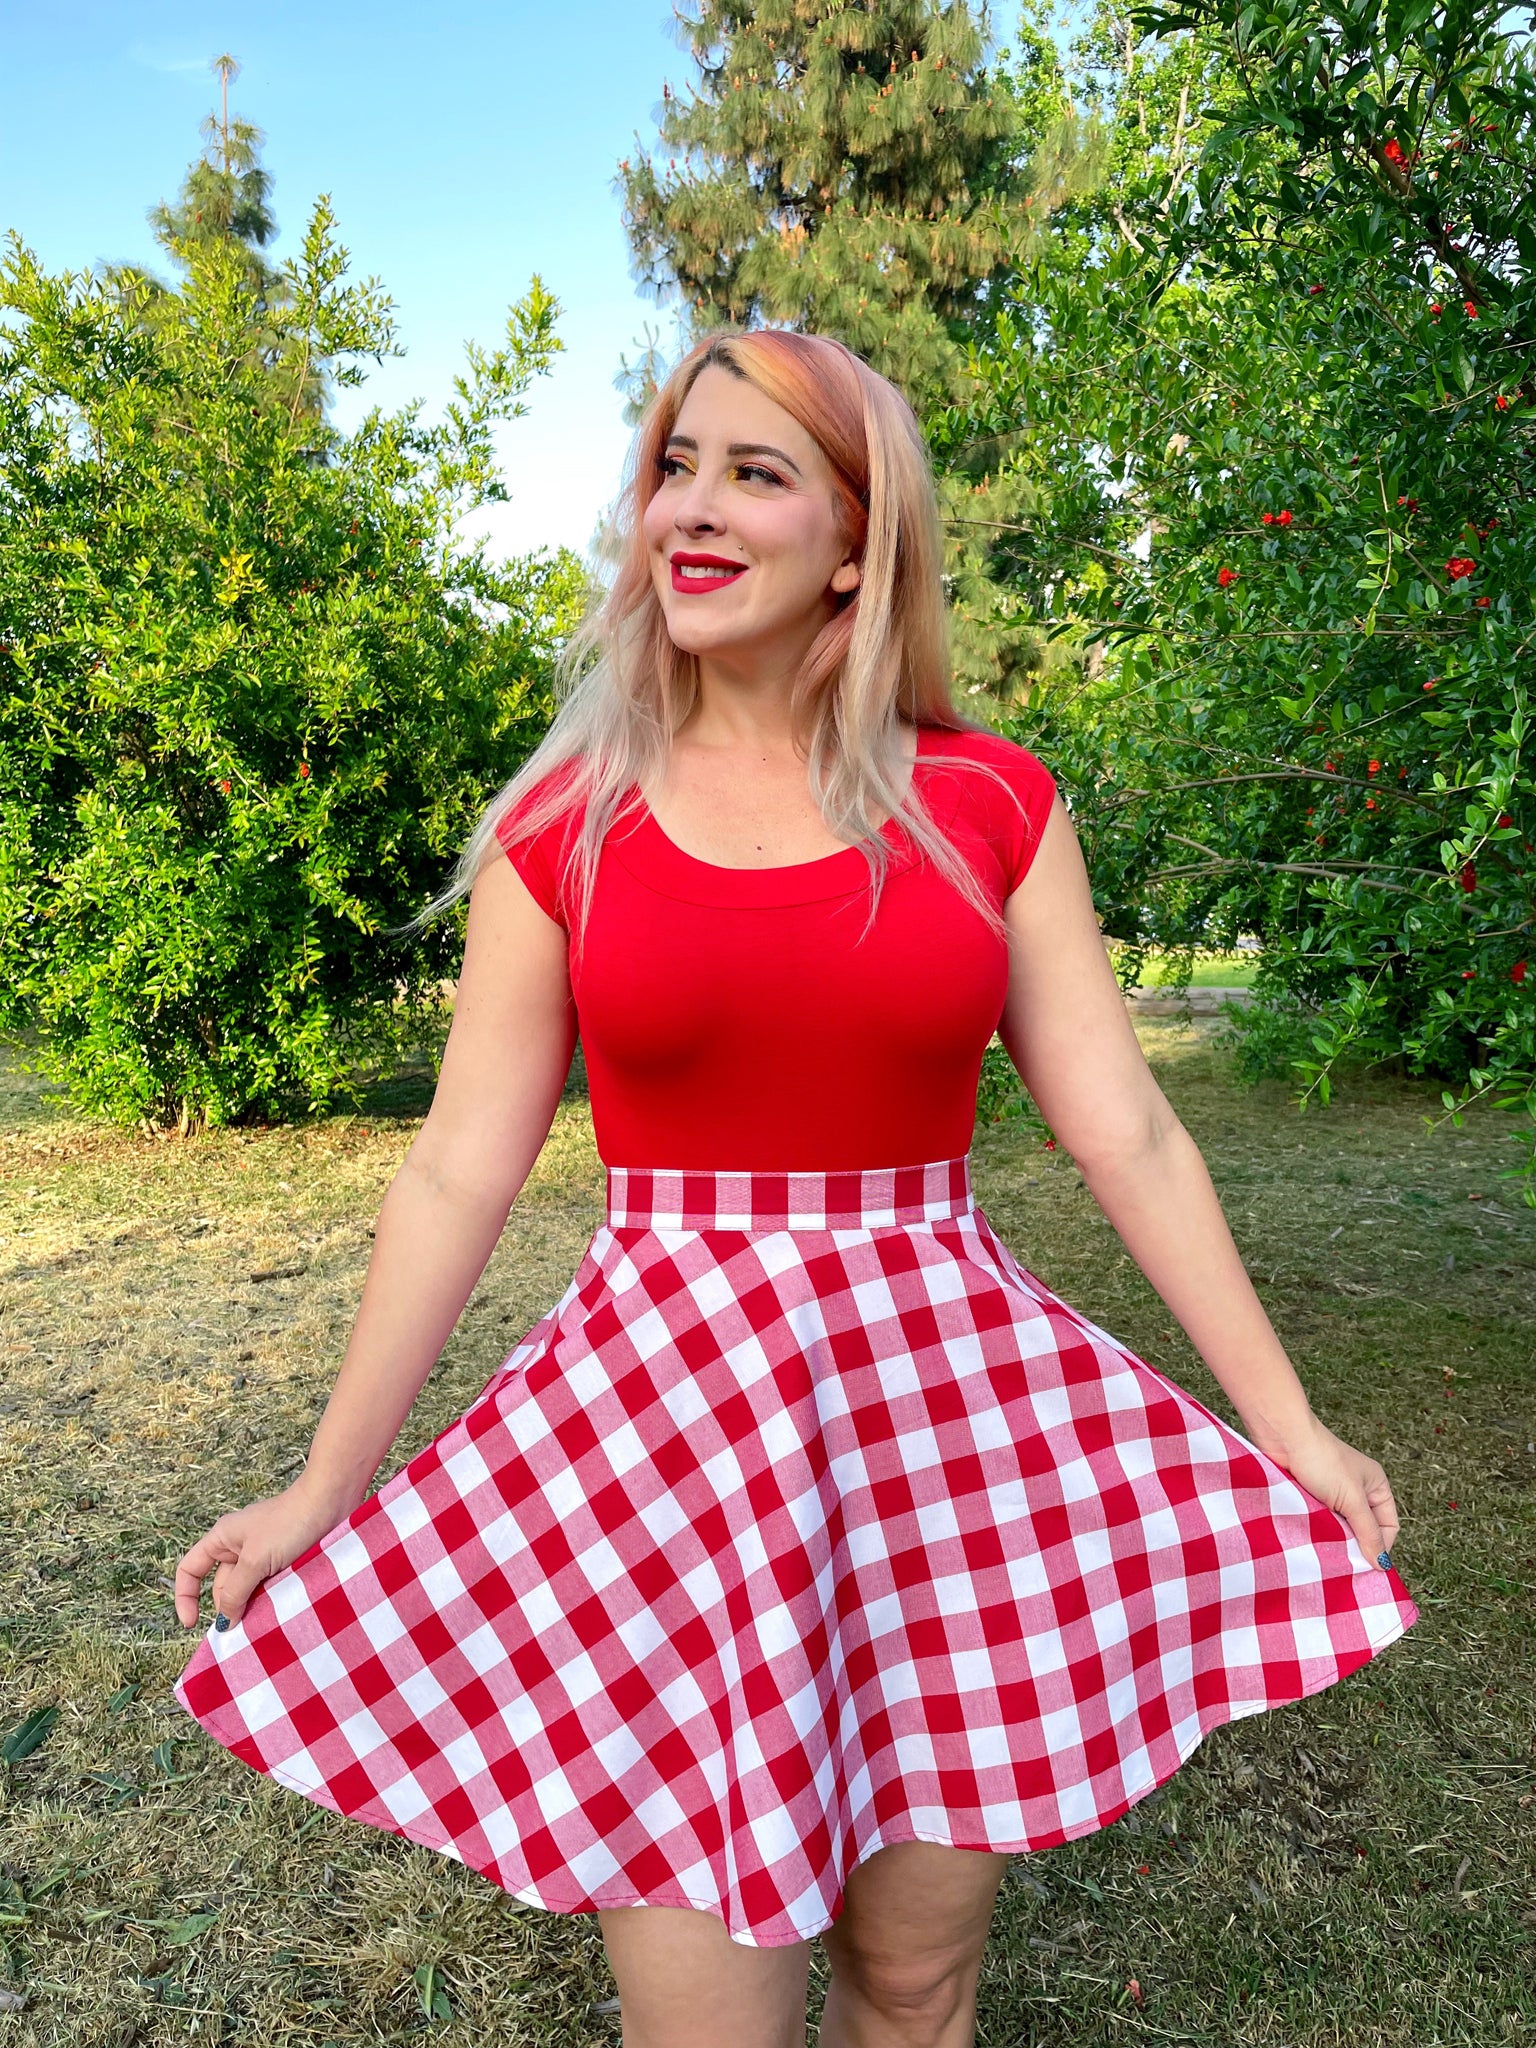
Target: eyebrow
column 736, row 448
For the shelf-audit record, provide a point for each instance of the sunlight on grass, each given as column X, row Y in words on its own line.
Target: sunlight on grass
column 1357, row 1868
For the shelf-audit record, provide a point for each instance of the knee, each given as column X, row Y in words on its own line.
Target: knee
column 920, row 1994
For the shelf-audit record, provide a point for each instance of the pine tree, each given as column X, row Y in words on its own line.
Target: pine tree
column 847, row 170
column 226, row 193
column 223, row 212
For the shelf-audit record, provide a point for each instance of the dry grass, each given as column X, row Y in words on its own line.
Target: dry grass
column 1355, row 1869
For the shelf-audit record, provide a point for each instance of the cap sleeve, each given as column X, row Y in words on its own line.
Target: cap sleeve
column 1020, row 824
column 540, row 856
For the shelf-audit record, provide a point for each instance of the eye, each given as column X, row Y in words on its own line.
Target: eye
column 667, row 465
column 757, row 469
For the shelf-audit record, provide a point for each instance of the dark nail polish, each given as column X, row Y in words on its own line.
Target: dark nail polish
column 221, row 1622
column 1385, row 1560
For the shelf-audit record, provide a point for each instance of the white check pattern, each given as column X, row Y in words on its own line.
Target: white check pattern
column 807, row 1520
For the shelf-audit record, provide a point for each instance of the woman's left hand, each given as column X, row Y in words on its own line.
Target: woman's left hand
column 1347, row 1481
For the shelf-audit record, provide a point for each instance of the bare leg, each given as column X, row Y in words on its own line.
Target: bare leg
column 683, row 1983
column 906, row 1948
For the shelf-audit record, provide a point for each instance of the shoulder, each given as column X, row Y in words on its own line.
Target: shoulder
column 536, row 828
column 1001, row 790
column 1015, row 766
column 550, row 800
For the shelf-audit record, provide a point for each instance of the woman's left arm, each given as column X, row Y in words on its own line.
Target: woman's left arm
column 1067, row 1030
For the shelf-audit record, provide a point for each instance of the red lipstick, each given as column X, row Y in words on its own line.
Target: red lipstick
column 696, row 585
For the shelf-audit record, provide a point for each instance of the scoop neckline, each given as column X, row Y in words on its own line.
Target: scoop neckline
column 660, row 862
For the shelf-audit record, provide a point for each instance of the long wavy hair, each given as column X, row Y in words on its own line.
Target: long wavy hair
column 623, row 687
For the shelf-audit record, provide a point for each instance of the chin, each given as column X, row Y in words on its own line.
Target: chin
column 691, row 630
column 699, row 643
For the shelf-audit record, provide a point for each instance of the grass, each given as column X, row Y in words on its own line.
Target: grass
column 1210, row 970
column 1359, row 1868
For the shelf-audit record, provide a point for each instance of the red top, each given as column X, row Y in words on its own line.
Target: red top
column 731, row 1018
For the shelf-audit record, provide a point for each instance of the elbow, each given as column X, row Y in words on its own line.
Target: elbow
column 1126, row 1143
column 461, row 1171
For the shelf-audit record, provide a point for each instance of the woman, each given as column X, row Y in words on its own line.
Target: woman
column 810, row 1556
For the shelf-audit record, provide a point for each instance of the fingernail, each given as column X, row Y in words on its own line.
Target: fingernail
column 221, row 1622
column 1385, row 1560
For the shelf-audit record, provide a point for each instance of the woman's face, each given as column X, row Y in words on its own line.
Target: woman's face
column 741, row 481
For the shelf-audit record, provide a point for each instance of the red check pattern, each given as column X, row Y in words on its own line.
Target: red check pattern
column 807, row 1520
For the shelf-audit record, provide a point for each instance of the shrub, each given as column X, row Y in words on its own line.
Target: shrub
column 253, row 689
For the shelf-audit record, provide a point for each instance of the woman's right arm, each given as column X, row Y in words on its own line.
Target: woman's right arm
column 504, row 1065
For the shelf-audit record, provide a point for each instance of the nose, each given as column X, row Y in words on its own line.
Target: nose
column 695, row 508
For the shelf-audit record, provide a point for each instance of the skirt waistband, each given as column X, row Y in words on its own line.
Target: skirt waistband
column 660, row 1198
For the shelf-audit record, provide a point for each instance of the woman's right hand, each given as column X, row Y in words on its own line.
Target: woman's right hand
column 248, row 1545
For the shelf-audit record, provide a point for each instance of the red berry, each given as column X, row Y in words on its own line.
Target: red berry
column 225, row 787
column 1469, row 309
column 1502, row 402
column 1469, row 878
column 1226, row 576
column 1517, row 972
column 1285, row 518
column 303, row 768
column 1269, row 518
column 1373, row 766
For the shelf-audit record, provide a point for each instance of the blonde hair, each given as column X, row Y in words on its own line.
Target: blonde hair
column 883, row 658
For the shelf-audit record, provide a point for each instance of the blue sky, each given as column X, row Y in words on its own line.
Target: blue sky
column 464, row 147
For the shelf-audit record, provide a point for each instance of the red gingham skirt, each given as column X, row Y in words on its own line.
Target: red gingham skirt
column 806, row 1521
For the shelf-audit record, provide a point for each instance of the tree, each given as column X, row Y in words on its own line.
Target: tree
column 1287, row 418
column 856, row 172
column 844, row 170
column 226, row 199
column 226, row 193
column 254, row 690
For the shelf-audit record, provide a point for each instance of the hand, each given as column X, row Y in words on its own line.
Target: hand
column 247, row 1546
column 1345, row 1480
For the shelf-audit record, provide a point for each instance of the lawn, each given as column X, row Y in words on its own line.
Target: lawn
column 1209, row 969
column 1357, row 1869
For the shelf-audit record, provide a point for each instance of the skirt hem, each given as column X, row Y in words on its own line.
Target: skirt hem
column 1399, row 1623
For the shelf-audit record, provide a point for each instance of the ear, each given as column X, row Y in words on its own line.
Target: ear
column 846, row 576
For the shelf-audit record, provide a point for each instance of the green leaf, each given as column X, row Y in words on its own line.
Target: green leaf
column 432, row 1993
column 28, row 1735
column 179, row 1932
